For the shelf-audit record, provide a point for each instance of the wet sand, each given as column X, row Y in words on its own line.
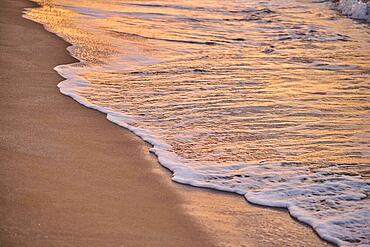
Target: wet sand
column 69, row 177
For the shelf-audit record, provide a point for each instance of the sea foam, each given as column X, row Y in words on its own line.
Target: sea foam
column 356, row 9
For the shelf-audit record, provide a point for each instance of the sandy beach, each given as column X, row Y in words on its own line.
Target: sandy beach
column 69, row 177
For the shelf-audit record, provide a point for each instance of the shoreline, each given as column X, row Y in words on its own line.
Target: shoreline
column 192, row 231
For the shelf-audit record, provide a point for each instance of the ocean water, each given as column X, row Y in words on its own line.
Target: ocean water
column 267, row 99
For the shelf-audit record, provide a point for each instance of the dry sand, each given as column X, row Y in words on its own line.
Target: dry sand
column 69, row 177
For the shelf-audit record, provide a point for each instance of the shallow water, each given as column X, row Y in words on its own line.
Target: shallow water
column 268, row 99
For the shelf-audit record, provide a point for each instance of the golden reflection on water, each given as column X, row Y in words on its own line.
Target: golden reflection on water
column 91, row 48
column 222, row 87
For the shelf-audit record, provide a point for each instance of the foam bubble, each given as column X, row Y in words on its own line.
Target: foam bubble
column 356, row 9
